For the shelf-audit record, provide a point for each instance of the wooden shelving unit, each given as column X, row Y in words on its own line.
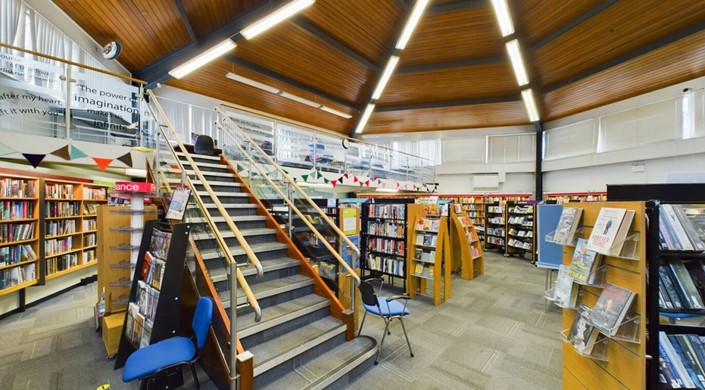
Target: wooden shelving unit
column 567, row 197
column 465, row 246
column 495, row 227
column 521, row 230
column 430, row 259
column 19, row 233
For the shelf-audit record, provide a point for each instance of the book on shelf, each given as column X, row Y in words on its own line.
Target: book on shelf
column 418, row 269
column 672, row 371
column 611, row 308
column 678, row 232
column 690, row 366
column 582, row 334
column 159, row 244
column 684, row 285
column 584, row 265
column 565, row 292
column 567, row 225
column 610, row 230
column 177, row 206
column 666, row 280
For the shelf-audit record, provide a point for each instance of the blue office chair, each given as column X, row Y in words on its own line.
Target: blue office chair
column 387, row 308
column 147, row 362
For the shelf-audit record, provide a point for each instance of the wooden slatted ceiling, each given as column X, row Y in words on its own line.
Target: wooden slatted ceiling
column 448, row 118
column 369, row 27
column 205, row 15
column 671, row 64
column 291, row 50
column 210, row 81
column 466, row 82
column 536, row 19
column 147, row 29
column 469, row 33
column 619, row 29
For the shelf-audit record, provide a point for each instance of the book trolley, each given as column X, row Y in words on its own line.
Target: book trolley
column 617, row 356
column 153, row 308
column 430, row 258
column 465, row 246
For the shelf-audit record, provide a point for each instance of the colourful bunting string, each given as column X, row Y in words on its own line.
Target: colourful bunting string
column 75, row 152
column 304, row 177
column 397, row 184
column 355, row 179
column 63, row 152
column 102, row 162
column 5, row 150
column 326, row 180
column 345, row 174
column 367, row 183
column 126, row 159
column 320, row 175
column 34, row 159
column 334, row 182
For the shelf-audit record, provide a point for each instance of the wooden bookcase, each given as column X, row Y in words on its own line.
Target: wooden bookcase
column 521, row 230
column 465, row 246
column 495, row 227
column 566, row 197
column 626, row 361
column 19, row 233
column 430, row 258
column 69, row 226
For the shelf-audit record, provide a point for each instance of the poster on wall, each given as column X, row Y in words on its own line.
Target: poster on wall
column 348, row 254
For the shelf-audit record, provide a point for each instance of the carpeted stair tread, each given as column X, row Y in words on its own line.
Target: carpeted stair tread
column 278, row 314
column 327, row 368
column 289, row 345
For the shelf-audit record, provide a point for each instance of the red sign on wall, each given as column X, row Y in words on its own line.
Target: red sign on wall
column 135, row 187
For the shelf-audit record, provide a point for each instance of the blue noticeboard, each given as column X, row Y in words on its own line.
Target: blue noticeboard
column 550, row 255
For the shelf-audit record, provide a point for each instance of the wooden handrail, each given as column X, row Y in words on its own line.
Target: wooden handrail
column 291, row 205
column 36, row 53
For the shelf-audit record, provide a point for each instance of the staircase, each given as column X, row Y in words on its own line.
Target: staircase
column 297, row 344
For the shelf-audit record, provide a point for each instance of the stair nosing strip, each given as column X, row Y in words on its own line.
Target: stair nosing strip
column 299, row 349
column 325, row 381
column 255, row 328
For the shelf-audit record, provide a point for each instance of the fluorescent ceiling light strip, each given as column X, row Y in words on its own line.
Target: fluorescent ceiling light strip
column 530, row 104
column 506, row 27
column 336, row 112
column 365, row 117
column 275, row 18
column 416, row 13
column 391, row 190
column 299, row 99
column 251, row 83
column 203, row 58
column 517, row 62
column 388, row 70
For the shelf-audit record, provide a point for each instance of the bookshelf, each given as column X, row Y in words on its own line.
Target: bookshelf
column 153, row 308
column 19, row 233
column 465, row 245
column 429, row 262
column 495, row 227
column 567, row 197
column 521, row 229
column 616, row 362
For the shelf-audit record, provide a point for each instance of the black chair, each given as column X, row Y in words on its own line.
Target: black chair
column 387, row 308
column 145, row 363
column 204, row 145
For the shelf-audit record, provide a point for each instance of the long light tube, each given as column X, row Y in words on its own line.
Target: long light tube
column 251, row 83
column 365, row 117
column 528, row 97
column 275, row 18
column 503, row 18
column 336, row 112
column 299, row 99
column 203, row 58
column 388, row 70
column 411, row 23
column 517, row 62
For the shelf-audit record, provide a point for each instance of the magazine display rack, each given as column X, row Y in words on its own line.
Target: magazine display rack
column 430, row 258
column 466, row 247
column 598, row 348
column 156, row 286
column 618, row 361
column 521, row 229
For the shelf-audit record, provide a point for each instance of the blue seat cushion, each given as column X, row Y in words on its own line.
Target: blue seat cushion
column 395, row 308
column 148, row 360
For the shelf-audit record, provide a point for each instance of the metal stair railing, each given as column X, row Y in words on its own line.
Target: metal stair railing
column 350, row 272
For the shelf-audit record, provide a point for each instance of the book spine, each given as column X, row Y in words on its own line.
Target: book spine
column 689, row 353
column 688, row 227
column 666, row 367
column 666, row 234
column 668, row 303
column 678, row 364
column 677, row 227
column 685, row 284
column 685, row 361
column 698, row 349
column 665, row 279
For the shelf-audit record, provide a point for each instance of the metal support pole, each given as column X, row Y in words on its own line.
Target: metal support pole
column 290, row 224
column 233, row 326
column 538, row 126
column 67, row 113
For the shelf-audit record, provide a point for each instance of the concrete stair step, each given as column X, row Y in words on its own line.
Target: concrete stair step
column 238, row 251
column 280, row 314
column 230, row 234
column 271, row 288
column 270, row 265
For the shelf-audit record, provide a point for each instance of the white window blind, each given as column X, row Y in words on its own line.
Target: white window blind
column 639, row 126
column 464, row 150
column 572, row 140
column 512, row 148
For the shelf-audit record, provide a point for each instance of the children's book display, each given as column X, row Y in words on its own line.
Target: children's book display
column 430, row 260
column 153, row 309
column 465, row 245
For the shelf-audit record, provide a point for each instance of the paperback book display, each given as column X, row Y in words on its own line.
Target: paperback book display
column 585, row 263
column 676, row 230
column 611, row 308
column 565, row 293
column 583, row 334
column 567, row 225
column 610, row 230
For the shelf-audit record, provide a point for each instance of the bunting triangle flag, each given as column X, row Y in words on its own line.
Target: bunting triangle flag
column 63, row 153
column 397, row 184
column 102, row 162
column 75, row 152
column 320, row 175
column 355, row 179
column 367, row 183
column 34, row 159
column 304, row 177
column 345, row 174
column 126, row 159
column 333, row 182
column 326, row 180
column 340, row 179
column 285, row 171
column 414, row 186
column 5, row 150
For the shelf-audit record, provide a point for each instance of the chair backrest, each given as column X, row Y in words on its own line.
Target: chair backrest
column 204, row 145
column 369, row 296
column 202, row 320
